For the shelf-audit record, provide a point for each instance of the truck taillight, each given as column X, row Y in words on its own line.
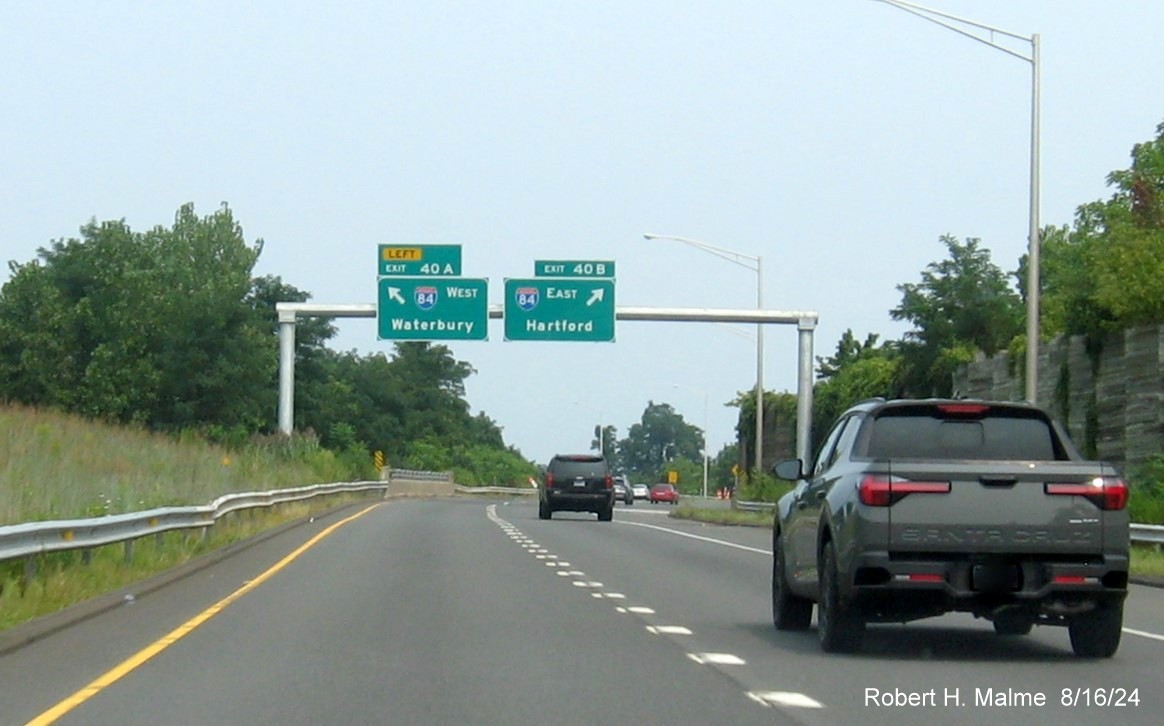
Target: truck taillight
column 878, row 490
column 1105, row 492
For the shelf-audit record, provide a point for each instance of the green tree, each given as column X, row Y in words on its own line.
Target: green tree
column 779, row 412
column 1107, row 273
column 872, row 375
column 848, row 351
column 483, row 465
column 662, row 435
column 150, row 328
column 722, row 468
column 962, row 304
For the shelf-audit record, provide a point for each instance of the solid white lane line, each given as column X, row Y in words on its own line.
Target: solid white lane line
column 1144, row 634
column 698, row 537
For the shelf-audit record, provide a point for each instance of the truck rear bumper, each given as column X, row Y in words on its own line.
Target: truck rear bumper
column 570, row 501
column 895, row 588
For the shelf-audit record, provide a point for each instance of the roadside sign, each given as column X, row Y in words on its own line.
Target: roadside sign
column 415, row 260
column 672, row 477
column 423, row 308
column 559, row 309
column 574, row 268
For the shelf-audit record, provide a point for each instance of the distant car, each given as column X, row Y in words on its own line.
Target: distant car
column 577, row 483
column 622, row 490
column 641, row 491
column 663, row 493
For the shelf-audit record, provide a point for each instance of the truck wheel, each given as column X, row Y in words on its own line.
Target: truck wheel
column 1097, row 634
column 840, row 629
column 544, row 511
column 789, row 612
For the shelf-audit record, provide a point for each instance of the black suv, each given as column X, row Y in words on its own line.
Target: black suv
column 577, row 483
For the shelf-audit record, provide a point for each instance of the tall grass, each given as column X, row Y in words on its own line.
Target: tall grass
column 63, row 579
column 56, row 466
column 1146, row 500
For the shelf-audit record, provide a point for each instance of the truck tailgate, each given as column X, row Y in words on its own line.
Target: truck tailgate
column 995, row 507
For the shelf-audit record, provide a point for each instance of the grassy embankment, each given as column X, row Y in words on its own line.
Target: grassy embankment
column 54, row 466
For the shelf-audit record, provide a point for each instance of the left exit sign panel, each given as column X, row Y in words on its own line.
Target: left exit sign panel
column 418, row 260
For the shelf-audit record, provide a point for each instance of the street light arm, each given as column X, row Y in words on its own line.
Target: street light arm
column 729, row 255
column 1031, row 385
column 929, row 14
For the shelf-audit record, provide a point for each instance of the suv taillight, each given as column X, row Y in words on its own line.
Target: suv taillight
column 878, row 490
column 609, row 481
column 549, row 480
column 1105, row 492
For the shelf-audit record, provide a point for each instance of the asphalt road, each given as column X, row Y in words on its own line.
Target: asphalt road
column 466, row 610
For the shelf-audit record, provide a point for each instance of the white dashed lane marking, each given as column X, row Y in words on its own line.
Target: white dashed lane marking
column 788, row 699
column 716, row 659
column 784, row 698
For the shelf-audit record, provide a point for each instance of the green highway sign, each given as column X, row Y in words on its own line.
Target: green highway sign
column 574, row 268
column 417, row 260
column 562, row 309
column 421, row 308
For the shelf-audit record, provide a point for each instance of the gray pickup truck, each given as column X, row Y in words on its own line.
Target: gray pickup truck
column 915, row 508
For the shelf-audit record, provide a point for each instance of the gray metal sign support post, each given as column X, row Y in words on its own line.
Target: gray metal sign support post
column 805, row 322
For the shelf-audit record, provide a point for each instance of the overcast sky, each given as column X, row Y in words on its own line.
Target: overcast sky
column 837, row 139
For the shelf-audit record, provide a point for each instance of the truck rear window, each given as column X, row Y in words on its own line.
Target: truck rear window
column 583, row 467
column 925, row 432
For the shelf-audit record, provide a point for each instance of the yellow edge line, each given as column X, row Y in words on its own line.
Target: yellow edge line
column 131, row 663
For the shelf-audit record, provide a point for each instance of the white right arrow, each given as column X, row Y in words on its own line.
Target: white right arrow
column 596, row 296
column 394, row 294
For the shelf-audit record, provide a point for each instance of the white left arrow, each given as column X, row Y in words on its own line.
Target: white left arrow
column 394, row 294
column 596, row 296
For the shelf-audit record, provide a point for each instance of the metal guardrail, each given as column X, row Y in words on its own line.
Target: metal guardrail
column 414, row 475
column 1141, row 533
column 1148, row 534
column 461, row 489
column 753, row 506
column 22, row 540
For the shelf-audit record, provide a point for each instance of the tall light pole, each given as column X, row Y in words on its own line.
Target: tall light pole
column 939, row 18
column 746, row 261
column 706, row 420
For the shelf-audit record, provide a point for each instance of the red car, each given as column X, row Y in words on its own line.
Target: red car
column 664, row 493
